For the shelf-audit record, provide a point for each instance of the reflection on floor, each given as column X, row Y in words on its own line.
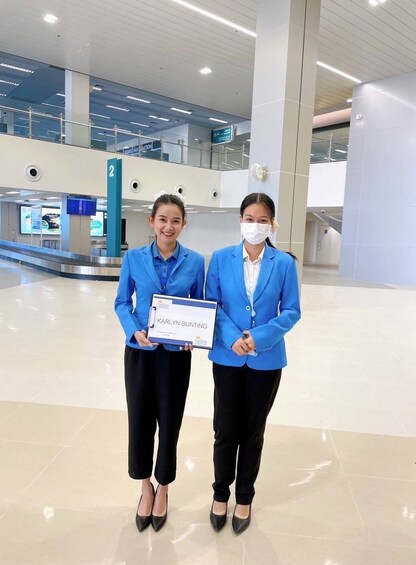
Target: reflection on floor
column 338, row 479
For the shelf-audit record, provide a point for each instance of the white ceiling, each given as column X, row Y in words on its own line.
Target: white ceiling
column 159, row 46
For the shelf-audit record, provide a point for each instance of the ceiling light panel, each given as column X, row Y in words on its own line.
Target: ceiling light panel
column 338, row 72
column 99, row 116
column 181, row 111
column 50, row 19
column 14, row 68
column 138, row 99
column 117, row 108
column 214, row 17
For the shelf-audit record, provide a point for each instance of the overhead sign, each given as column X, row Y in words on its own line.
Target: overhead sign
column 222, row 135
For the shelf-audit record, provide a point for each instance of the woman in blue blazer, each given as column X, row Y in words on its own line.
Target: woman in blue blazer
column 156, row 376
column 256, row 288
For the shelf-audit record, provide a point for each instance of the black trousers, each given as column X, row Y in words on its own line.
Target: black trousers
column 243, row 398
column 156, row 386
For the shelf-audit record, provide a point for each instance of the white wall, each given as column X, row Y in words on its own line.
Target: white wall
column 137, row 228
column 328, row 245
column 311, row 242
column 234, row 187
column 326, row 184
column 379, row 227
column 76, row 170
column 207, row 232
column 68, row 169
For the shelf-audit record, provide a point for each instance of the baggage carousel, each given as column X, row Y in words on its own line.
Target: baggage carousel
column 62, row 263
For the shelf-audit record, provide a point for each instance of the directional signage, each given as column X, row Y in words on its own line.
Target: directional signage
column 223, row 135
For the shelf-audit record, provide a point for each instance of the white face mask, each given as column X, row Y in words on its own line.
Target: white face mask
column 255, row 233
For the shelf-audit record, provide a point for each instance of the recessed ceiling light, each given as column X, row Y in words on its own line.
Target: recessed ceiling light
column 181, row 111
column 50, row 19
column 99, row 116
column 138, row 99
column 1, row 94
column 117, row 108
column 158, row 118
column 205, row 71
column 9, row 82
column 218, row 211
column 349, row 100
column 14, row 68
column 340, row 151
column 60, row 94
column 52, row 105
column 212, row 16
column 98, row 88
column 46, row 114
column 12, row 192
column 141, row 125
column 52, row 198
column 219, row 121
column 338, row 72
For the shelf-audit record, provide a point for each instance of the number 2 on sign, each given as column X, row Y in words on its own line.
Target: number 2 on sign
column 111, row 171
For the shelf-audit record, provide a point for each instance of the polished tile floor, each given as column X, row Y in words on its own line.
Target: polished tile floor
column 338, row 479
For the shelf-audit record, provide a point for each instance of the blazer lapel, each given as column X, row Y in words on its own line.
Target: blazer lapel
column 149, row 266
column 238, row 269
column 183, row 252
column 266, row 269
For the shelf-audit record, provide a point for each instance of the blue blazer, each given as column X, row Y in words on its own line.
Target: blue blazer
column 138, row 276
column 275, row 303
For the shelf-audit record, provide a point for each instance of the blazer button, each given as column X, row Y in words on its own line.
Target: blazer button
column 248, row 308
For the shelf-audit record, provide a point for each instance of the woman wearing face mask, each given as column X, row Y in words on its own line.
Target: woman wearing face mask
column 256, row 288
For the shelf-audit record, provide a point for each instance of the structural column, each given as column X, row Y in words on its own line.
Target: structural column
column 75, row 231
column 282, row 113
column 77, row 104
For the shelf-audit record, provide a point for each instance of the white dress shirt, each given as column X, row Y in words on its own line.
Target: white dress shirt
column 251, row 273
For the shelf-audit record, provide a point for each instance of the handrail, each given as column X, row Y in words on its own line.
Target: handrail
column 178, row 151
column 215, row 157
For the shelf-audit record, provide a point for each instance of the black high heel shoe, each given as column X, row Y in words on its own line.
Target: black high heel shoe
column 241, row 524
column 217, row 520
column 143, row 521
column 159, row 521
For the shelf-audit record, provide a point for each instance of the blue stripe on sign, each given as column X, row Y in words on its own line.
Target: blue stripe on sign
column 202, row 304
column 178, row 342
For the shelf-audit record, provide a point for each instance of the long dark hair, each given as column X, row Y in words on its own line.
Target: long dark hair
column 262, row 198
column 168, row 199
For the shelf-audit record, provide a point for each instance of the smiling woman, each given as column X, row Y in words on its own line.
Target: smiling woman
column 163, row 267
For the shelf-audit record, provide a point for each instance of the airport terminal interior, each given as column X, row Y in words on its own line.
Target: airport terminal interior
column 337, row 484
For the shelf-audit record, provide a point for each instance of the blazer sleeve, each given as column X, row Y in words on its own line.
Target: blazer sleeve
column 225, row 329
column 267, row 335
column 197, row 289
column 123, row 304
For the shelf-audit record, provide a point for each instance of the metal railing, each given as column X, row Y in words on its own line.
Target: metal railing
column 34, row 124
column 329, row 146
column 326, row 146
